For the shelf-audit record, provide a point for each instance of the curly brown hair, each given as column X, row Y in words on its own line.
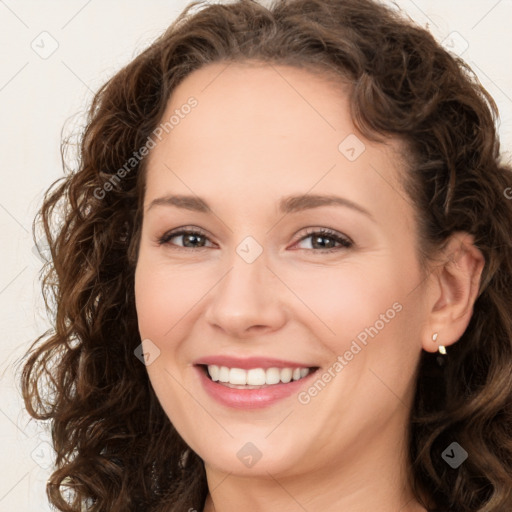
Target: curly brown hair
column 108, row 427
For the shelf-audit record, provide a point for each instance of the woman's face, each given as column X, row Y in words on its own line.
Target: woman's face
column 256, row 286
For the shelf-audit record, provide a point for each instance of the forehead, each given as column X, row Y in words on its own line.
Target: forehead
column 262, row 100
column 280, row 127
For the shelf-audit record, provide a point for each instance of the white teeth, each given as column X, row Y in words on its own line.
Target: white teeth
column 255, row 376
column 213, row 370
column 237, row 376
column 223, row 374
column 286, row 375
column 273, row 376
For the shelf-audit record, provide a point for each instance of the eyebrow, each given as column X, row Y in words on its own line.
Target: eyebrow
column 289, row 204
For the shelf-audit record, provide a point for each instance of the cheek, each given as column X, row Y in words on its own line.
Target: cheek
column 162, row 300
column 346, row 300
column 163, row 296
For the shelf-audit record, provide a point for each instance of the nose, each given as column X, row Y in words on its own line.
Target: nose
column 247, row 301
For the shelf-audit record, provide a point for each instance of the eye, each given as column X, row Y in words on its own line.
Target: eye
column 317, row 235
column 189, row 236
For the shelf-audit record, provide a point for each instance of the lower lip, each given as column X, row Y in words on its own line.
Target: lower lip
column 250, row 398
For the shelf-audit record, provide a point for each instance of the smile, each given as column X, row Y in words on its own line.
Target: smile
column 222, row 383
column 255, row 377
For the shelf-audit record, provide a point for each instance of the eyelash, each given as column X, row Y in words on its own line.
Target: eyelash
column 345, row 242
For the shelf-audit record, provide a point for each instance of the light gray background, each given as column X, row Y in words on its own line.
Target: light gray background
column 42, row 93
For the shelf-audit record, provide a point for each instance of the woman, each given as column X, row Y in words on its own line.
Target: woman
column 340, row 336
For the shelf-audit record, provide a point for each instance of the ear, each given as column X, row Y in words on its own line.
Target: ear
column 451, row 291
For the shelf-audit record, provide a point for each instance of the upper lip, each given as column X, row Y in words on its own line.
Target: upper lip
column 249, row 362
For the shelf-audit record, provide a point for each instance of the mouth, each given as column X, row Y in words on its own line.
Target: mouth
column 254, row 378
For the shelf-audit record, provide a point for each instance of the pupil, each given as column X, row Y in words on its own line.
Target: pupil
column 190, row 237
column 321, row 238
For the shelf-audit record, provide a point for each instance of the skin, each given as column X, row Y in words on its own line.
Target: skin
column 259, row 133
